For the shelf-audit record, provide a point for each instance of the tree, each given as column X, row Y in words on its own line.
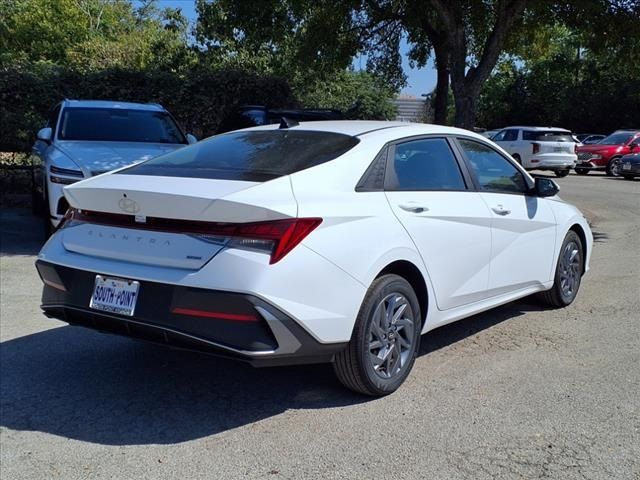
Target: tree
column 92, row 34
column 561, row 73
column 466, row 36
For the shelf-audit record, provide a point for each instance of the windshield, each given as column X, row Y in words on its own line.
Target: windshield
column 255, row 156
column 617, row 139
column 118, row 125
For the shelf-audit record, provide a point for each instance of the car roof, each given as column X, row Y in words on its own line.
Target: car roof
column 153, row 107
column 539, row 129
column 357, row 128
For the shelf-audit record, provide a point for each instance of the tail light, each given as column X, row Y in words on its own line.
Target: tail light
column 536, row 148
column 276, row 237
column 575, row 148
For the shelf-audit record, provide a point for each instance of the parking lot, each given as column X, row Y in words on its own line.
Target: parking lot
column 517, row 392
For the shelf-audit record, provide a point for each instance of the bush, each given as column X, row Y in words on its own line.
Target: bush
column 199, row 98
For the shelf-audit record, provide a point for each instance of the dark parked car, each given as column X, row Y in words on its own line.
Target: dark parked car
column 254, row 115
column 630, row 166
column 590, row 138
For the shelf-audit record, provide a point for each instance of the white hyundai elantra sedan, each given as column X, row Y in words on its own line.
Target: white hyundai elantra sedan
column 332, row 241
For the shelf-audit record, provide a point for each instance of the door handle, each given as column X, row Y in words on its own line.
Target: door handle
column 500, row 210
column 413, row 208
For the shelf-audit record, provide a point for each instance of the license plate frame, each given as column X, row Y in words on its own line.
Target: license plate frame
column 115, row 295
column 626, row 166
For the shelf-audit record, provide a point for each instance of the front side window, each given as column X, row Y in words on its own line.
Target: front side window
column 53, row 118
column 427, row 164
column 119, row 125
column 499, row 137
column 494, row 172
column 254, row 155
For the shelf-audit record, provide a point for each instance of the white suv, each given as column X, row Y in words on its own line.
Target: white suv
column 541, row 148
column 83, row 138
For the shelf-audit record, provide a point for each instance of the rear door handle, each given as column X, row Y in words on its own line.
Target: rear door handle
column 500, row 210
column 413, row 208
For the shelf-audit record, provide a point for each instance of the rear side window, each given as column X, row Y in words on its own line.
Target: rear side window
column 254, row 156
column 547, row 136
column 427, row 164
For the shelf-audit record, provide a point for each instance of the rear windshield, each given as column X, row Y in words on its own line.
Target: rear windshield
column 547, row 136
column 119, row 125
column 254, row 156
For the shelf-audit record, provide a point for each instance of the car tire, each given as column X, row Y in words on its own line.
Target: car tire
column 385, row 339
column 561, row 173
column 613, row 167
column 568, row 274
column 517, row 158
column 581, row 170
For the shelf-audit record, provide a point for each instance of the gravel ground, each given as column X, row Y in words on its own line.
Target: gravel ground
column 517, row 392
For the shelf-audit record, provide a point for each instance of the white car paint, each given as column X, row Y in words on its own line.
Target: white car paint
column 471, row 254
column 87, row 158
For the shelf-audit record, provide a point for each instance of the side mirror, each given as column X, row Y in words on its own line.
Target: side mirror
column 545, row 187
column 45, row 134
column 191, row 139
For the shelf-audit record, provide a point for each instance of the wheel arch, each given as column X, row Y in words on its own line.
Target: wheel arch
column 577, row 228
column 412, row 274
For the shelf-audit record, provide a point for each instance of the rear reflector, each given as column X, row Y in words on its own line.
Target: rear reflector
column 276, row 237
column 236, row 317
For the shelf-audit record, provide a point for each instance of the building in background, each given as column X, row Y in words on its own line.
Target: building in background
column 412, row 109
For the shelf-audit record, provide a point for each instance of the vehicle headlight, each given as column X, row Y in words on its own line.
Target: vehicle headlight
column 596, row 156
column 64, row 176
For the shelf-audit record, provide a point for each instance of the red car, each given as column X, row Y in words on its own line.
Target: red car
column 606, row 154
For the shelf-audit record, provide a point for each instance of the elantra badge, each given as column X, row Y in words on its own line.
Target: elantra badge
column 128, row 205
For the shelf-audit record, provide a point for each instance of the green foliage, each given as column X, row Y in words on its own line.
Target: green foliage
column 93, row 34
column 304, row 41
column 361, row 94
column 199, row 97
column 557, row 81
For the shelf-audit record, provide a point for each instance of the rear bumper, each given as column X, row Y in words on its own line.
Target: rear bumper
column 590, row 165
column 552, row 162
column 632, row 169
column 272, row 338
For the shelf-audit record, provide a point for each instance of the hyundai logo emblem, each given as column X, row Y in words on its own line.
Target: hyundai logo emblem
column 128, row 205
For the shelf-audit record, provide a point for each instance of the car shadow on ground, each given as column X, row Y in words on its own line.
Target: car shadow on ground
column 80, row 384
column 21, row 233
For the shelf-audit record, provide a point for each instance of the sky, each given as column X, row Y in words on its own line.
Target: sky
column 419, row 81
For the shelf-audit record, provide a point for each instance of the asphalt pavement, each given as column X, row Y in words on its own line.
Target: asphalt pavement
column 517, row 392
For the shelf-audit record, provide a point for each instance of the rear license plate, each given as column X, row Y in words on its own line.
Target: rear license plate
column 626, row 166
column 115, row 295
column 558, row 149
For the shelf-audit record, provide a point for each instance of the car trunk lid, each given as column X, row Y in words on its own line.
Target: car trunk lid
column 152, row 220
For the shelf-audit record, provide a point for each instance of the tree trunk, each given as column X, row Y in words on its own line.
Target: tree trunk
column 441, row 102
column 466, row 105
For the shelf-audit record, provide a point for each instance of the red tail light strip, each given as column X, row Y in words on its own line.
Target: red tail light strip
column 236, row 317
column 285, row 234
